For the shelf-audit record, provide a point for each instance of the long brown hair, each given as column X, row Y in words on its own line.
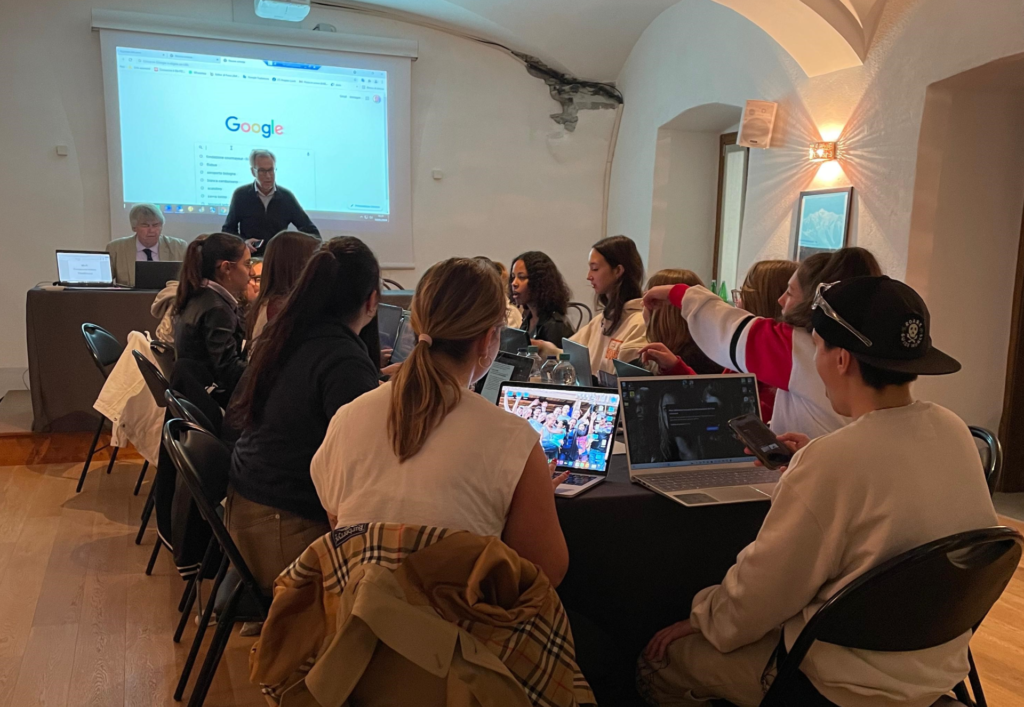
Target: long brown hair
column 620, row 250
column 829, row 267
column 335, row 284
column 202, row 257
column 457, row 301
column 765, row 283
column 667, row 327
column 287, row 254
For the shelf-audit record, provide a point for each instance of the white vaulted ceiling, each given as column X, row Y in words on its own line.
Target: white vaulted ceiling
column 591, row 39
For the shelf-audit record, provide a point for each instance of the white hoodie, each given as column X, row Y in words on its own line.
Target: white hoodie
column 623, row 344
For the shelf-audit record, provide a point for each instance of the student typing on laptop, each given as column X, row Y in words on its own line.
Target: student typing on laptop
column 901, row 474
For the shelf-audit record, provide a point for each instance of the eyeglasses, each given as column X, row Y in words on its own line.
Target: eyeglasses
column 264, row 172
column 255, row 278
column 824, row 306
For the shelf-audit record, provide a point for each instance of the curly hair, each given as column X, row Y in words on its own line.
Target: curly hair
column 548, row 290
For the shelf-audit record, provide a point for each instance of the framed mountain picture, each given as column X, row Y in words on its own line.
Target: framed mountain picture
column 823, row 224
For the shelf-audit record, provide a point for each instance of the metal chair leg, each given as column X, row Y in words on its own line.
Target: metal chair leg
column 979, row 694
column 142, row 475
column 88, row 458
column 152, row 558
column 225, row 622
column 188, row 600
column 204, row 622
column 113, row 458
column 147, row 511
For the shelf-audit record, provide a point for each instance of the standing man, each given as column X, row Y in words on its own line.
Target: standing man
column 258, row 212
column 148, row 243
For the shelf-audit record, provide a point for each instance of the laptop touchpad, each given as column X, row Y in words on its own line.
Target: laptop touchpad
column 732, row 494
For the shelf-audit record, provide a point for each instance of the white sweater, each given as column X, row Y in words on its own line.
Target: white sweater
column 889, row 482
column 623, row 344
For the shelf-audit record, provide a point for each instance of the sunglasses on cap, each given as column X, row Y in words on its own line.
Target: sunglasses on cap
column 821, row 303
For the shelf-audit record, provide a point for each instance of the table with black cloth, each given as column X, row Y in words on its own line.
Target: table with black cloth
column 62, row 375
column 636, row 559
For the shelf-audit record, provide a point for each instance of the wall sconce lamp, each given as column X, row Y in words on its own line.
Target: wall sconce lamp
column 823, row 151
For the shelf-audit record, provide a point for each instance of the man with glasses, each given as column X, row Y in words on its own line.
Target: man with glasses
column 903, row 473
column 148, row 244
column 263, row 209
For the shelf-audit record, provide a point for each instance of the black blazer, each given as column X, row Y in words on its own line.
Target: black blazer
column 247, row 217
column 552, row 327
column 209, row 331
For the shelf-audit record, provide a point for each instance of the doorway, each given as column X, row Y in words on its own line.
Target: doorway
column 732, row 197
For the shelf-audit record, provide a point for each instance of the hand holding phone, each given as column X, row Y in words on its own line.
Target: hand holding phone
column 772, row 452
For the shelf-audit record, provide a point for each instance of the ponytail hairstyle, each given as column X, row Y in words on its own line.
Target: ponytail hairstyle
column 334, row 286
column 457, row 302
column 202, row 257
column 620, row 250
column 834, row 267
column 765, row 283
column 287, row 255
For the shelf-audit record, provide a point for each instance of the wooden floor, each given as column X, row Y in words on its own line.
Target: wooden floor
column 81, row 623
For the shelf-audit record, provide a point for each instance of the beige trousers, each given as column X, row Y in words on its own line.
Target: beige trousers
column 269, row 538
column 694, row 671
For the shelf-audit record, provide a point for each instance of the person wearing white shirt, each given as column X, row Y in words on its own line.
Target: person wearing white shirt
column 148, row 244
column 903, row 473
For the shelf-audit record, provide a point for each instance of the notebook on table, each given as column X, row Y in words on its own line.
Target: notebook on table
column 679, row 443
column 576, row 426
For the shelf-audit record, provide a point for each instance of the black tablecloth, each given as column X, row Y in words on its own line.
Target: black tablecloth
column 636, row 559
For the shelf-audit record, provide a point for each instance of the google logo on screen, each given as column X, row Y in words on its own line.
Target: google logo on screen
column 266, row 129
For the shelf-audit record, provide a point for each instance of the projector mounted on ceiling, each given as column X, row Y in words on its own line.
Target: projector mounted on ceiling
column 287, row 10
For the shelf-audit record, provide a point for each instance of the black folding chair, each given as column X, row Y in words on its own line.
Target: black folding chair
column 165, row 355
column 105, row 351
column 199, row 455
column 991, row 455
column 583, row 314
column 917, row 600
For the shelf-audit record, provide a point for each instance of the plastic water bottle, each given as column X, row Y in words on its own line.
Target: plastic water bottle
column 535, row 374
column 547, row 368
column 564, row 373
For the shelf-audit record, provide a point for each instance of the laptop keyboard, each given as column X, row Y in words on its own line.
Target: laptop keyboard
column 710, row 478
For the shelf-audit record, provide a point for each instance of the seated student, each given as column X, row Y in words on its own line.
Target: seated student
column 309, row 362
column 539, row 289
column 422, row 450
column 208, row 330
column 668, row 334
column 616, row 273
column 902, row 474
column 147, row 244
column 513, row 315
column 287, row 254
column 780, row 354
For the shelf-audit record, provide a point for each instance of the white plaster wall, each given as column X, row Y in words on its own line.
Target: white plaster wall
column 476, row 114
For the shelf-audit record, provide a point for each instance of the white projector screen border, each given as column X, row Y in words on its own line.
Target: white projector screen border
column 391, row 240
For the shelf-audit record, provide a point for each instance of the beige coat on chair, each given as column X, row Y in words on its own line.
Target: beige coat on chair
column 123, row 253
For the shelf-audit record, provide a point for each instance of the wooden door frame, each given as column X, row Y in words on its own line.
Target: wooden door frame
column 1011, row 428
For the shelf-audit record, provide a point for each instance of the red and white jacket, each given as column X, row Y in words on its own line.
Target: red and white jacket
column 778, row 354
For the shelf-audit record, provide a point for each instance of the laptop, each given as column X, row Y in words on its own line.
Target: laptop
column 506, row 367
column 679, row 443
column 576, row 427
column 628, row 370
column 84, row 268
column 579, row 357
column 405, row 339
column 154, row 275
column 513, row 339
column 389, row 317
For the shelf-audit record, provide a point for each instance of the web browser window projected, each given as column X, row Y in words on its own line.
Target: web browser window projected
column 188, row 122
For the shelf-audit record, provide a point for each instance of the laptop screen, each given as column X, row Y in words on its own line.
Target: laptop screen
column 388, row 319
column 681, row 421
column 506, row 367
column 576, row 426
column 405, row 340
column 84, row 267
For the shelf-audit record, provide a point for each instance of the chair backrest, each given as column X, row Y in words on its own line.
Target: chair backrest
column 184, row 409
column 391, row 284
column 991, row 455
column 920, row 599
column 197, row 454
column 582, row 312
column 164, row 354
column 104, row 348
column 155, row 380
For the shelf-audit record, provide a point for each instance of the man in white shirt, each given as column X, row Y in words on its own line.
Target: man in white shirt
column 148, row 244
column 902, row 474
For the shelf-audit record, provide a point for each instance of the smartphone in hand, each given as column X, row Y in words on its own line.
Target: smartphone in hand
column 761, row 441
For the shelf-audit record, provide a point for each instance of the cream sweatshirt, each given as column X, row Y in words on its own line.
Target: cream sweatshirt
column 884, row 484
column 623, row 344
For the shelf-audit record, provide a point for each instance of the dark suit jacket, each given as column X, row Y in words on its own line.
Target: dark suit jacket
column 247, row 217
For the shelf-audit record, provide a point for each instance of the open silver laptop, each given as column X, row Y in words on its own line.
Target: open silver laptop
column 679, row 442
column 84, row 268
column 579, row 357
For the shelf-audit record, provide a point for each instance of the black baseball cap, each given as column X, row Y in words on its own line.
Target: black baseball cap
column 889, row 314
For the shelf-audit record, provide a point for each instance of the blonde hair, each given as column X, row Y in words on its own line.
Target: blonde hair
column 456, row 303
column 765, row 283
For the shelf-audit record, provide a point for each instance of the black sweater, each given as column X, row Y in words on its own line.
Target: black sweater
column 247, row 217
column 551, row 327
column 270, row 464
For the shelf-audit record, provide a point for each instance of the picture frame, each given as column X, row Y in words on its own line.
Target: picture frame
column 823, row 222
